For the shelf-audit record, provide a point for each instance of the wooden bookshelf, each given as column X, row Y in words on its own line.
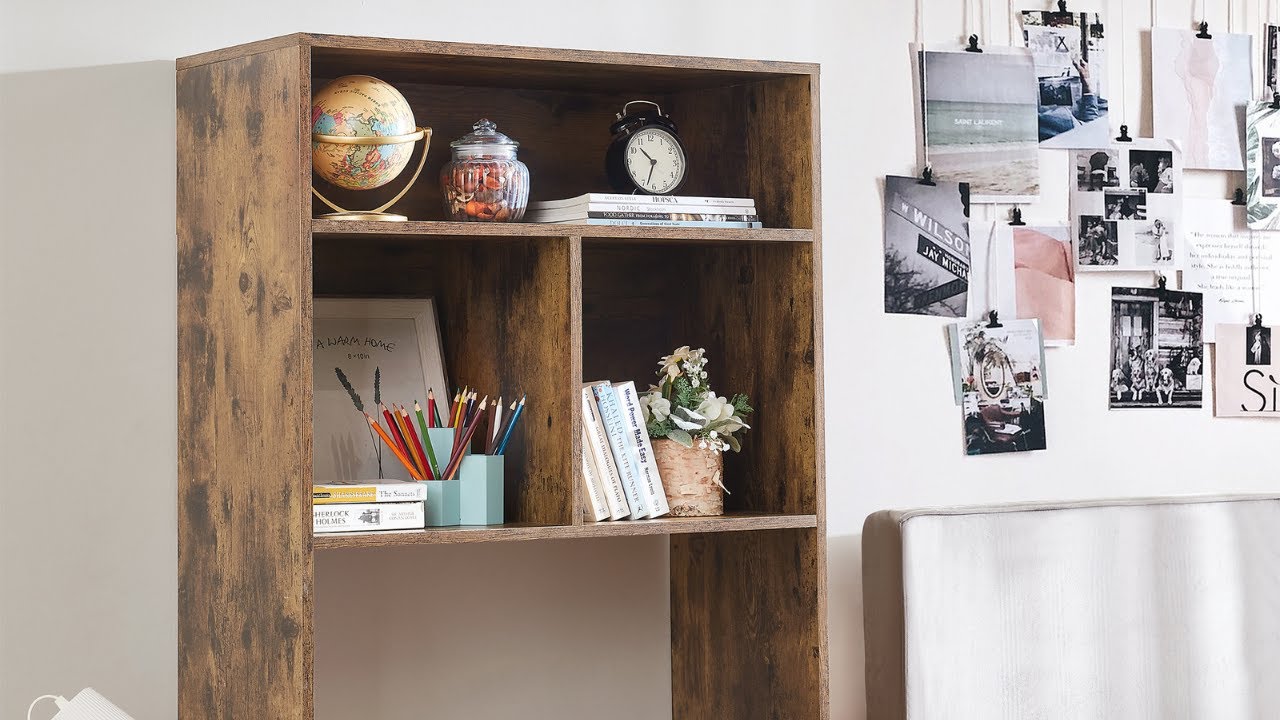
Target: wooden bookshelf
column 567, row 302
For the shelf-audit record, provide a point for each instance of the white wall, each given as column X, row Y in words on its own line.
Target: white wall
column 87, row 319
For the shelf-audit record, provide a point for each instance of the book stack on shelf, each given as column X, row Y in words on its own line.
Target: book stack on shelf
column 361, row 507
column 618, row 467
column 650, row 210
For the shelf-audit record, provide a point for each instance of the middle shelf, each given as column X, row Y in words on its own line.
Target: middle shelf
column 731, row 522
column 352, row 229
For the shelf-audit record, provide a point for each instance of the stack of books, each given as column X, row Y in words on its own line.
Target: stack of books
column 672, row 210
column 618, row 468
column 362, row 507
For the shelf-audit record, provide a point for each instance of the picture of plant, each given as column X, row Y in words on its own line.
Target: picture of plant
column 683, row 407
column 355, row 400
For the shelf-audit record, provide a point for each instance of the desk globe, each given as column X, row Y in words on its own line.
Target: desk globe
column 362, row 135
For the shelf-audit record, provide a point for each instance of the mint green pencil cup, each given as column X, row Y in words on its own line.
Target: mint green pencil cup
column 444, row 497
column 481, row 477
column 444, row 503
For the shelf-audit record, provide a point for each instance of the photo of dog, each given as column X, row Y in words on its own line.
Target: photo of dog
column 1157, row 349
column 1165, row 387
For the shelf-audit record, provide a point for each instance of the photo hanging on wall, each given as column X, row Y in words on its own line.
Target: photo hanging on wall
column 1157, row 355
column 926, row 247
column 1246, row 372
column 1071, row 71
column 999, row 375
column 1235, row 269
column 1198, row 88
column 980, row 122
column 1262, row 149
column 1025, row 272
column 1126, row 206
column 1271, row 63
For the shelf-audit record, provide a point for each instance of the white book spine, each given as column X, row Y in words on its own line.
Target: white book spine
column 662, row 223
column 368, row 493
column 606, row 468
column 655, row 200
column 646, row 465
column 363, row 517
column 591, row 482
column 615, row 426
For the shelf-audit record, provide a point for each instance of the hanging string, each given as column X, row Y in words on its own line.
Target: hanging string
column 924, row 77
column 1152, row 11
column 1197, row 21
column 991, row 269
column 1014, row 40
column 1255, row 284
column 986, row 22
column 1124, row 85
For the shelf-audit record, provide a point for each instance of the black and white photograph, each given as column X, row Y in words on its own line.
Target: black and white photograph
column 1258, row 345
column 1070, row 67
column 1000, row 370
column 1272, row 42
column 1151, row 170
column 1270, row 166
column 1140, row 200
column 1155, row 241
column 1097, row 169
column 1157, row 354
column 1098, row 242
column 1125, row 204
column 926, row 247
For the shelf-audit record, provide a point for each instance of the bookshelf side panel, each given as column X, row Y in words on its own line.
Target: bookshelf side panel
column 244, row 392
column 747, row 640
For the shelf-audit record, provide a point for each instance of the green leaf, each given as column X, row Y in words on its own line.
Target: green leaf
column 680, row 436
column 733, row 443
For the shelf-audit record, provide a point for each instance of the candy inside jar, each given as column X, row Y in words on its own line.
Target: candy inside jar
column 485, row 182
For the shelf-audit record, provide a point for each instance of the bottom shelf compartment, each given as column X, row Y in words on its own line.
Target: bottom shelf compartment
column 731, row 522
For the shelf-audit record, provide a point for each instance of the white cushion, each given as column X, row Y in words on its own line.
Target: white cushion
column 1123, row 610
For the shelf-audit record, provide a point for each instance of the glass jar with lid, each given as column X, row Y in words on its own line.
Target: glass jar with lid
column 484, row 182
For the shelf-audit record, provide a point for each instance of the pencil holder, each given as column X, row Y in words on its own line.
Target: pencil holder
column 444, row 503
column 441, row 442
column 481, row 477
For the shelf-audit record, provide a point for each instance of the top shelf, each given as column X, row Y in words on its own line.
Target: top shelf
column 335, row 229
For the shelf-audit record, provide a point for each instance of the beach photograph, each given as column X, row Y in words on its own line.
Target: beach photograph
column 980, row 123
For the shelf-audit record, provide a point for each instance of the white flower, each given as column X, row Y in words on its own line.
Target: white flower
column 715, row 408
column 655, row 406
column 694, row 382
column 702, row 444
column 714, row 434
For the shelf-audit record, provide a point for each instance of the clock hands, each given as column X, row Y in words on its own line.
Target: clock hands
column 652, row 164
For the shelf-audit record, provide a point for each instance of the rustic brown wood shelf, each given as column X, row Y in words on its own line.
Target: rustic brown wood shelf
column 567, row 303
column 732, row 522
column 638, row 234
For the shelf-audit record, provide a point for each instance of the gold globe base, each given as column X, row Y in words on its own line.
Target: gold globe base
column 377, row 213
column 363, row 216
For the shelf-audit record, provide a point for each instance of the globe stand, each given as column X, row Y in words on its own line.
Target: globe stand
column 376, row 214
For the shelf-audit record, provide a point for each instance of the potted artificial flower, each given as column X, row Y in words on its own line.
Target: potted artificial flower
column 691, row 426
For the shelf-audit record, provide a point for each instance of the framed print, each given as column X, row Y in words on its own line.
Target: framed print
column 369, row 351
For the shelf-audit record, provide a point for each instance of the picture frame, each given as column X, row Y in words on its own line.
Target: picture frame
column 396, row 340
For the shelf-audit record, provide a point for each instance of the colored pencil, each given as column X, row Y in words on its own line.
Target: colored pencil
column 433, row 418
column 481, row 440
column 404, row 437
column 393, row 430
column 469, row 419
column 456, row 461
column 387, row 439
column 426, row 438
column 455, row 412
column 469, row 409
column 492, row 440
column 417, row 445
column 435, row 411
column 506, row 437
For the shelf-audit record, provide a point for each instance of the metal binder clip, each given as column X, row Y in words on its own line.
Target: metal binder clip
column 973, row 45
column 1062, row 6
column 1257, row 320
column 926, row 176
column 1238, row 198
column 994, row 320
column 1161, row 280
column 1124, row 134
column 1275, row 101
column 1204, row 31
column 1017, row 218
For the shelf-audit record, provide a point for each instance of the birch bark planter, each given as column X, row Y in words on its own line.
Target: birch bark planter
column 691, row 478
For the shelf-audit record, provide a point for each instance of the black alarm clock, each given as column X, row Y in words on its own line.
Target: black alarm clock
column 645, row 155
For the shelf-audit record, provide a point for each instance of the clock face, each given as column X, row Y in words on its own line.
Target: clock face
column 655, row 161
